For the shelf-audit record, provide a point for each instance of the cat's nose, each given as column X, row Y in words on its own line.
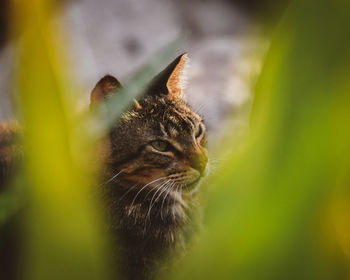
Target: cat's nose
column 199, row 162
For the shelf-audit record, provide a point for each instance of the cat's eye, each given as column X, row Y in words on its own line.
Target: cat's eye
column 199, row 131
column 160, row 145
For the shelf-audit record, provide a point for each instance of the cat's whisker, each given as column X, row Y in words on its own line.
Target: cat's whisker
column 192, row 192
column 214, row 168
column 145, row 186
column 129, row 190
column 151, row 190
column 179, row 194
column 155, row 188
column 199, row 108
column 158, row 188
column 113, row 177
column 164, row 189
column 174, row 199
column 186, row 216
column 184, row 204
column 169, row 189
column 161, row 188
column 215, row 161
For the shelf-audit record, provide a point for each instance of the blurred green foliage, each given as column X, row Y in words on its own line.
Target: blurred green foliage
column 62, row 231
column 280, row 210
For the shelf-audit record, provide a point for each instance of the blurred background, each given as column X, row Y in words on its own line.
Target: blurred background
column 226, row 40
column 271, row 79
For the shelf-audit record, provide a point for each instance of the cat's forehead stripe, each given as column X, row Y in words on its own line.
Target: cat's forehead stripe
column 173, row 131
column 165, row 134
column 185, row 117
column 173, row 126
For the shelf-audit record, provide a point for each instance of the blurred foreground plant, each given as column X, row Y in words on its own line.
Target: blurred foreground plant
column 280, row 210
column 63, row 231
column 63, row 236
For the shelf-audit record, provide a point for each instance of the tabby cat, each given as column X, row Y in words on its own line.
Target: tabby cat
column 153, row 159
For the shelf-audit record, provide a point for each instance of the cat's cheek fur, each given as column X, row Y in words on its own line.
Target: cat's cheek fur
column 143, row 177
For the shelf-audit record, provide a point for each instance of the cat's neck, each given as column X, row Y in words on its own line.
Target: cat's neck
column 145, row 227
column 159, row 215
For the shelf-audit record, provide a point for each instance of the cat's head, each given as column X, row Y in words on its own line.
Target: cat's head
column 160, row 141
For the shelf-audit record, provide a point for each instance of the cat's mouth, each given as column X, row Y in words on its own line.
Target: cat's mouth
column 193, row 184
column 194, row 180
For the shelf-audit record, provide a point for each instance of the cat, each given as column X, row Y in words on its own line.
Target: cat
column 157, row 154
column 153, row 158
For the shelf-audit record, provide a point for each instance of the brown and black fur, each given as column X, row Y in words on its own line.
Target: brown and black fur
column 152, row 158
column 10, row 154
column 10, row 151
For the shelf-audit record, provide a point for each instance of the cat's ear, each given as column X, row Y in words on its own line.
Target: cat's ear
column 171, row 80
column 104, row 88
